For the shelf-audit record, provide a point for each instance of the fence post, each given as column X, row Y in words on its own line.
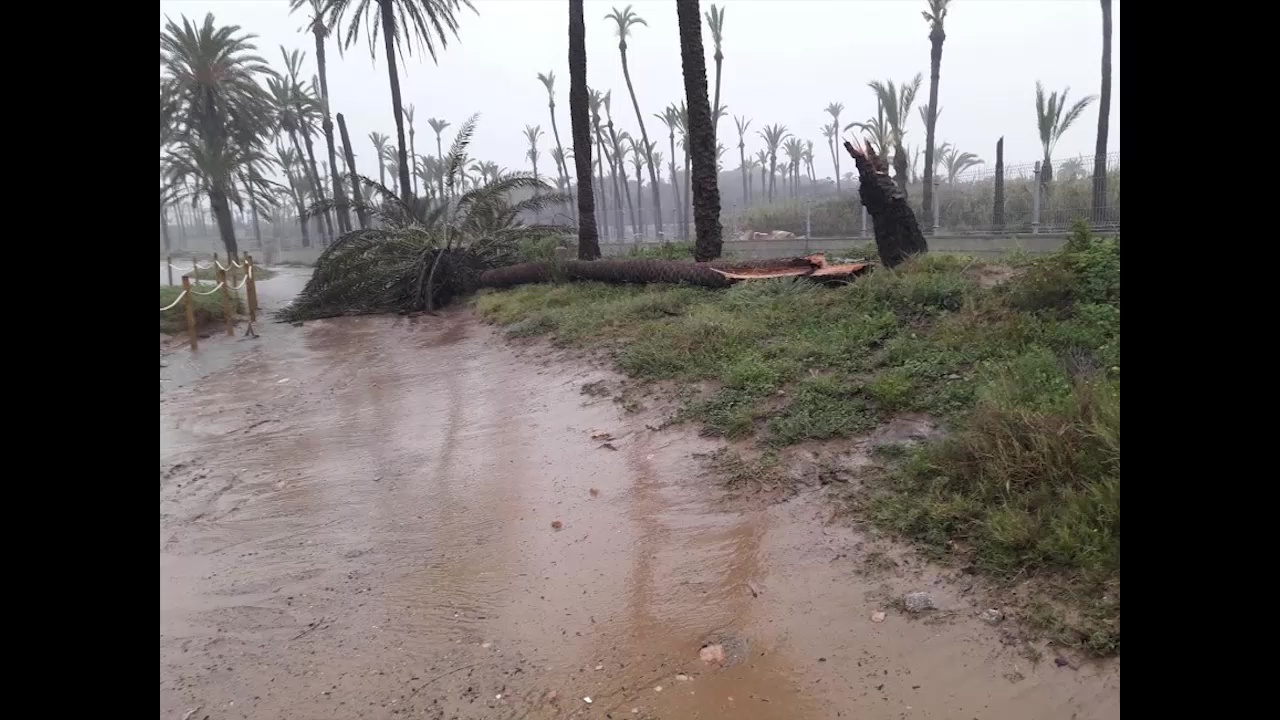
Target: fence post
column 168, row 266
column 226, row 302
column 251, row 288
column 191, row 315
column 1035, row 199
column 936, row 184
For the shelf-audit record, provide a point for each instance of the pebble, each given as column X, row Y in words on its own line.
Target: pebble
column 877, row 617
column 918, row 602
column 991, row 616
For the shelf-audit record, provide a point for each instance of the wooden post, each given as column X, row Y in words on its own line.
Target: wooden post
column 168, row 266
column 191, row 315
column 227, row 312
column 251, row 288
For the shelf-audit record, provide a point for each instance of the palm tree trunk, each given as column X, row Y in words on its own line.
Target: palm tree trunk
column 619, row 226
column 644, row 137
column 604, row 193
column 413, row 155
column 997, row 212
column 702, row 133
column 440, row 161
column 1104, row 119
column 742, row 165
column 257, row 228
column 580, row 127
column 317, row 183
column 397, row 107
column 222, row 214
column 339, row 193
column 164, row 229
column 901, row 167
column 675, row 189
column 563, row 167
column 936, row 37
column 688, row 195
column 773, row 173
column 351, row 172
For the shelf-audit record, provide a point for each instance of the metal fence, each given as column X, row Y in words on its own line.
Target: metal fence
column 1034, row 201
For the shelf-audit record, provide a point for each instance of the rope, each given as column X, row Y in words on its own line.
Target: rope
column 243, row 280
column 220, row 265
column 175, row 302
column 216, row 289
column 233, row 262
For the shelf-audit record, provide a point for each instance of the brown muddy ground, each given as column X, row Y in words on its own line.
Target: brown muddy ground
column 356, row 522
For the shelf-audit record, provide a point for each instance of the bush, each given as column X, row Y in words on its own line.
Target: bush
column 207, row 310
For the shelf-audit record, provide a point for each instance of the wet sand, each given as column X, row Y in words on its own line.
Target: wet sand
column 356, row 522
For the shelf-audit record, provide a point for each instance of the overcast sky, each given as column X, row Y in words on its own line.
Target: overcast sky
column 784, row 61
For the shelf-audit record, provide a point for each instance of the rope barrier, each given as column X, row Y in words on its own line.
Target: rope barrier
column 221, row 266
column 239, row 265
column 243, row 280
column 173, row 304
column 216, row 289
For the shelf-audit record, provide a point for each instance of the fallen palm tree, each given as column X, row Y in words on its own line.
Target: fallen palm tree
column 717, row 274
column 898, row 235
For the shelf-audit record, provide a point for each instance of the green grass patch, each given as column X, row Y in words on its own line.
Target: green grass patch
column 207, row 310
column 1024, row 373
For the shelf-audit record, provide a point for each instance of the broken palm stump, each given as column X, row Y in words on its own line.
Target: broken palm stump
column 898, row 235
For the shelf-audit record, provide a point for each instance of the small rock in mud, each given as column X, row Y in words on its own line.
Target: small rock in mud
column 918, row 602
column 682, row 677
column 552, row 695
column 556, row 525
column 657, row 688
column 600, row 435
column 608, row 446
column 1063, row 662
column 594, row 492
column 877, row 617
column 712, row 654
column 991, row 616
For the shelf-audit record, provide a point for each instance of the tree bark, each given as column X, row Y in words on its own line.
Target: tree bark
column 222, row 214
column 702, row 134
column 742, row 165
column 644, row 137
column 937, row 36
column 1104, row 120
column 997, row 212
column 339, row 193
column 350, row 158
column 898, row 235
column 580, row 127
column 316, row 182
column 389, row 40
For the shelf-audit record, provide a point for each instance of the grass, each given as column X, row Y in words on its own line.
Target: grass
column 207, row 310
column 1025, row 374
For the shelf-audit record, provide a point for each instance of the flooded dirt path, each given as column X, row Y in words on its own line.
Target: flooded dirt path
column 356, row 522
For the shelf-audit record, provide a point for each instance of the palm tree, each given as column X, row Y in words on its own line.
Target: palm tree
column 317, row 27
column 834, row 109
column 935, row 16
column 295, row 188
column 380, row 149
column 670, row 118
column 548, row 81
column 773, row 135
column 829, row 132
column 1052, row 122
column 743, row 124
column 896, row 103
column 579, row 123
column 210, row 82
column 350, row 157
column 595, row 101
column 880, row 136
column 956, row 162
column 682, row 124
column 532, row 133
column 438, row 126
column 762, row 158
column 402, row 22
column 702, row 134
column 808, row 160
column 614, row 162
column 306, row 108
column 1104, row 118
column 625, row 20
column 413, row 152
column 795, row 152
column 638, row 155
column 715, row 20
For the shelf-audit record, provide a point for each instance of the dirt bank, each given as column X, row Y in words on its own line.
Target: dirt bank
column 356, row 521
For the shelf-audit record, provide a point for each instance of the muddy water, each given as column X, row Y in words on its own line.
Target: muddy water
column 356, row 521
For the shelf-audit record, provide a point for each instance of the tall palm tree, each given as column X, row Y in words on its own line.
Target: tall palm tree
column 548, row 81
column 350, row 158
column 682, row 124
column 880, row 136
column 306, row 109
column 595, row 101
column 702, row 134
column 317, row 27
column 1052, row 122
column 715, row 20
column 380, row 149
column 743, row 124
column 210, row 79
column 438, row 126
column 762, row 159
column 403, row 23
column 670, row 118
column 897, row 103
column 795, row 153
column 808, row 160
column 773, row 135
column 413, row 152
column 638, row 155
column 580, row 127
column 829, row 132
column 935, row 15
column 531, row 134
column 625, row 19
column 834, row 109
column 1104, row 118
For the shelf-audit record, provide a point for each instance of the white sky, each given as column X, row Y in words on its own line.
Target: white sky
column 785, row 60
